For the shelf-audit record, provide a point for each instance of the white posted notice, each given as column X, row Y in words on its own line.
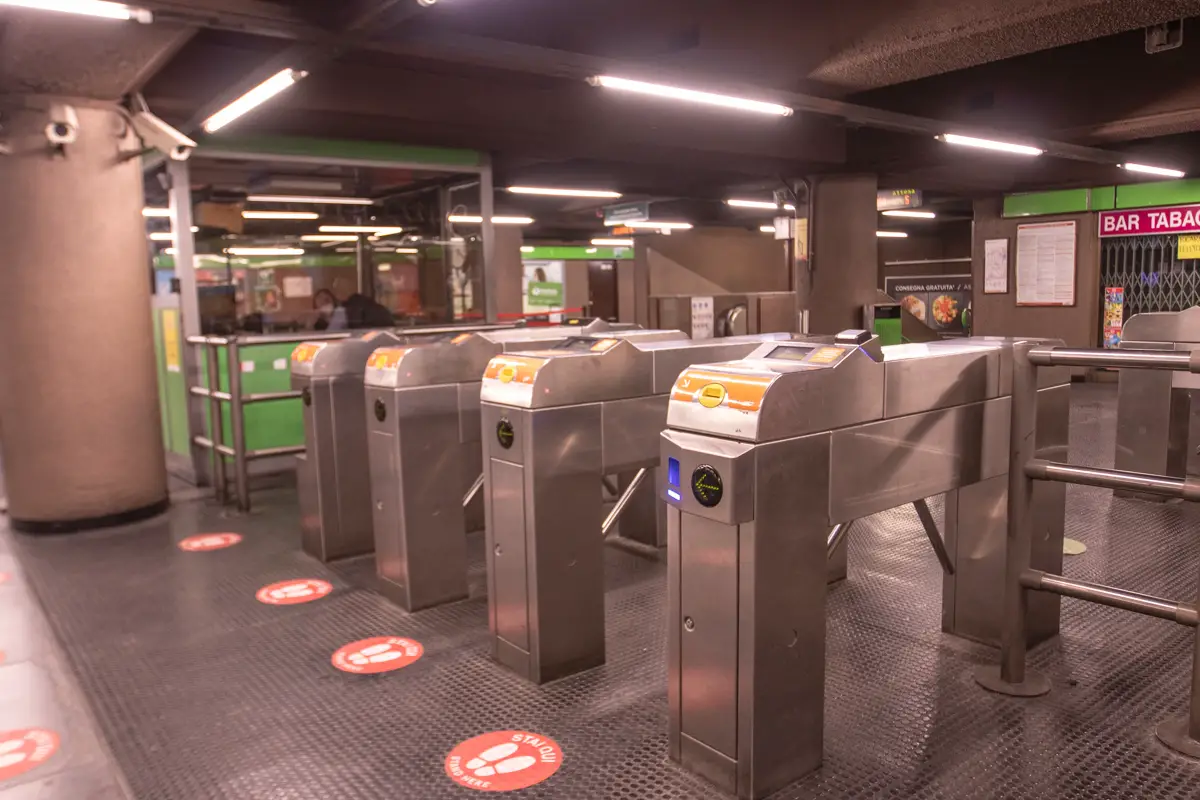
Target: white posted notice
column 298, row 286
column 995, row 266
column 702, row 318
column 1046, row 264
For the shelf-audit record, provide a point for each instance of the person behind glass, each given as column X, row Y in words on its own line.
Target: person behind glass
column 331, row 315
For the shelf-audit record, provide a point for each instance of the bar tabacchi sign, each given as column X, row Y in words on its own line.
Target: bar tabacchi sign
column 1150, row 221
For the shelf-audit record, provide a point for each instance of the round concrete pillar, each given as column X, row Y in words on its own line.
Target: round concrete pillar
column 80, row 430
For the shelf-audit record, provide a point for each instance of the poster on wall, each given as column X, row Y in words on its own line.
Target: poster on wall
column 1046, row 264
column 543, row 288
column 1114, row 315
column 297, row 286
column 940, row 301
column 995, row 266
column 702, row 318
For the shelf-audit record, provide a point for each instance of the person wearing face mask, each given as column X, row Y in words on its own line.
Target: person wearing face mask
column 331, row 315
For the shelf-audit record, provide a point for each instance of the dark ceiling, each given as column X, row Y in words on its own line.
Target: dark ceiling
column 507, row 77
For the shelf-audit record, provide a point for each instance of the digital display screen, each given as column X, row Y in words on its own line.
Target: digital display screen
column 790, row 353
column 673, row 471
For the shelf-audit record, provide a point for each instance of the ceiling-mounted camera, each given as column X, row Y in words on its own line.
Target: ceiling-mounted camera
column 63, row 128
column 162, row 137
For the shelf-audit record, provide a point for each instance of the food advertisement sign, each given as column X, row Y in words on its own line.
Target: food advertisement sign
column 1114, row 315
column 940, row 301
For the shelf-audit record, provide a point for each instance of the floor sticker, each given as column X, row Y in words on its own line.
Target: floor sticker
column 378, row 654
column 503, row 761
column 209, row 541
column 290, row 593
column 4, row 578
column 23, row 750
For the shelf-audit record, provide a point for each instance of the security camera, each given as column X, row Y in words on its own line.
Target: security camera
column 162, row 137
column 63, row 127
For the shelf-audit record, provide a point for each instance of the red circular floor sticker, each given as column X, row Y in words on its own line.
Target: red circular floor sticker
column 209, row 541
column 503, row 761
column 22, row 750
column 4, row 577
column 289, row 593
column 377, row 654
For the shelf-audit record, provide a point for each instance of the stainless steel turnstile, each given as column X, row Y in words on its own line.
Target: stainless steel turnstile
column 554, row 424
column 423, row 445
column 768, row 461
column 1158, row 412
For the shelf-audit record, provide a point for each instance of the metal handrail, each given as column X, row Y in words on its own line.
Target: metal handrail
column 1011, row 676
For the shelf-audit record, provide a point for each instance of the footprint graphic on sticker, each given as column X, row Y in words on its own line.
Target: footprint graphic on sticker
column 378, row 654
column 12, row 753
column 490, row 762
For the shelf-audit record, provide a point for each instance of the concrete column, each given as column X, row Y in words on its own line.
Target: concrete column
column 80, row 434
column 844, row 255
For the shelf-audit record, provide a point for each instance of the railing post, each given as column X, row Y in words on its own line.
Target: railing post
column 216, row 427
column 1182, row 733
column 1010, row 677
column 237, row 418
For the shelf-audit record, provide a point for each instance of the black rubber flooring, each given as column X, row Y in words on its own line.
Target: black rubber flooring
column 203, row 692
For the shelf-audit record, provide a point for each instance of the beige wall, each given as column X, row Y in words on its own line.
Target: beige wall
column 713, row 261
column 509, row 269
column 845, row 255
column 927, row 242
column 999, row 315
column 575, row 288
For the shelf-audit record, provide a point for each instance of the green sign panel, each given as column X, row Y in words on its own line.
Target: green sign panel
column 545, row 295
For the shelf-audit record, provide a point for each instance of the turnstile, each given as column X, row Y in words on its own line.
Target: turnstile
column 423, row 446
column 554, row 424
column 768, row 460
column 1158, row 412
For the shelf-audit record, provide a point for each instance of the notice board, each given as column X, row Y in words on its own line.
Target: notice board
column 1046, row 264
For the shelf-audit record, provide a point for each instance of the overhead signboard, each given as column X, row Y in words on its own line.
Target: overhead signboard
column 1150, row 221
column 626, row 212
column 893, row 199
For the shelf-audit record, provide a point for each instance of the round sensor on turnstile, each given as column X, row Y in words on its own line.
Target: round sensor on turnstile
column 706, row 486
column 504, row 433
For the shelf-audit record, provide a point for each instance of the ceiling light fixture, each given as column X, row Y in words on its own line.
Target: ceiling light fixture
column 766, row 205
column 156, row 212
column 293, row 198
column 265, row 251
column 661, row 226
column 1165, row 172
column 527, row 248
column 612, row 242
column 590, row 250
column 328, row 237
column 89, row 8
column 280, row 215
column 471, row 219
column 691, row 95
column 891, row 234
column 767, row 228
column 284, row 79
column 601, row 193
column 376, row 230
column 900, row 212
column 408, row 251
column 989, row 144
column 167, row 236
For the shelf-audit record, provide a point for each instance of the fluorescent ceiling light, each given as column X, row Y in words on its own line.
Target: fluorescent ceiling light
column 265, row 251
column 891, row 234
column 763, row 204
column 590, row 250
column 90, row 8
column 661, row 226
column 384, row 268
column 296, row 198
column 1149, row 170
column 170, row 251
column 280, row 215
column 377, row 230
column 613, row 242
column 988, row 144
column 691, row 95
column 254, row 98
column 564, row 192
column 914, row 214
column 409, row 251
column 167, row 236
column 767, row 228
column 156, row 212
column 527, row 249
column 470, row 219
column 328, row 237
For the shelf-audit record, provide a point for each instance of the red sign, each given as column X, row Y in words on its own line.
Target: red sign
column 290, row 593
column 377, row 654
column 1150, row 221
column 503, row 761
column 22, row 750
column 209, row 541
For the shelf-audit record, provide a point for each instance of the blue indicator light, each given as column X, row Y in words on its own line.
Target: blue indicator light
column 673, row 472
column 674, row 495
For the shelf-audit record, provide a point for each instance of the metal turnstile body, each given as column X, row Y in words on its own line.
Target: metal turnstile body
column 554, row 424
column 423, row 449
column 764, row 457
column 1158, row 412
column 732, row 314
column 331, row 475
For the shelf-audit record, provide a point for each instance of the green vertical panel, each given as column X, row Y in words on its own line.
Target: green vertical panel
column 1158, row 193
column 164, row 406
column 1104, row 198
column 1066, row 201
column 279, row 423
column 177, row 403
column 888, row 331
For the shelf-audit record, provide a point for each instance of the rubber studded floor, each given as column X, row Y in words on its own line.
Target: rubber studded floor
column 202, row 692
